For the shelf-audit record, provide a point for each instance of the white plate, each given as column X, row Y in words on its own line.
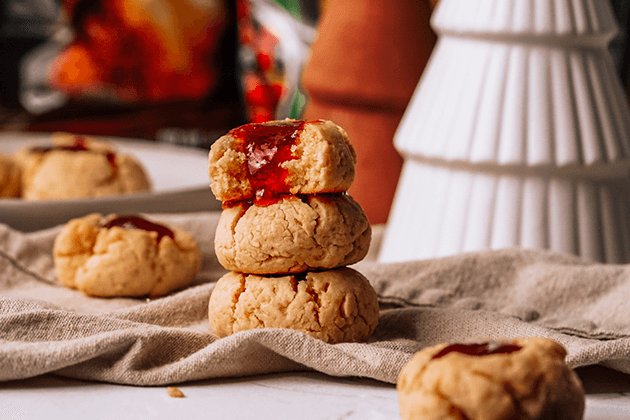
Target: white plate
column 179, row 176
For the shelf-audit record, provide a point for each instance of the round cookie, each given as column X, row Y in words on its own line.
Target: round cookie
column 334, row 306
column 10, row 182
column 293, row 235
column 281, row 157
column 124, row 256
column 515, row 379
column 77, row 167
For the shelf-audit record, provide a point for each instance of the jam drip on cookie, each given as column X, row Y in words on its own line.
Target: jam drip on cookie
column 326, row 197
column 267, row 147
column 79, row 145
column 135, row 222
column 479, row 349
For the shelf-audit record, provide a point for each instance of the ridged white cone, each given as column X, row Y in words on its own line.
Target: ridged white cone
column 517, row 105
column 518, row 134
column 449, row 211
column 591, row 19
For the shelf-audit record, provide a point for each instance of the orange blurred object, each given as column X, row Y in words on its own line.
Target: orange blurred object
column 365, row 65
column 263, row 78
column 77, row 71
column 140, row 51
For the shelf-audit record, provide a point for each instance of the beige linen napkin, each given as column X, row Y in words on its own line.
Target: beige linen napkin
column 46, row 328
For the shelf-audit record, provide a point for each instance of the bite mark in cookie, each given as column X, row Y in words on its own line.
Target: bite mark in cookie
column 267, row 161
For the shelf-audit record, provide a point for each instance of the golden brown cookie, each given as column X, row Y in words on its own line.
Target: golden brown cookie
column 77, row 167
column 10, row 183
column 512, row 379
column 255, row 161
column 293, row 235
column 334, row 306
column 124, row 256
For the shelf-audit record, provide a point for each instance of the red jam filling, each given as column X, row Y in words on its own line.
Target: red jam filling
column 479, row 349
column 79, row 145
column 267, row 147
column 325, row 197
column 135, row 222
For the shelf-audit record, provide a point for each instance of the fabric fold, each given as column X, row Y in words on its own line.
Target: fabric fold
column 47, row 328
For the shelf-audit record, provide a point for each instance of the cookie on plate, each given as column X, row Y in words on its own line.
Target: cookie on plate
column 293, row 235
column 124, row 256
column 10, row 183
column 496, row 380
column 334, row 305
column 76, row 167
column 281, row 157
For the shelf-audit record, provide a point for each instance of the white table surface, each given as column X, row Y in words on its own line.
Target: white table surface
column 301, row 395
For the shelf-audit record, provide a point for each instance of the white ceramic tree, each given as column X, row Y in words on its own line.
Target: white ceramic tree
column 518, row 134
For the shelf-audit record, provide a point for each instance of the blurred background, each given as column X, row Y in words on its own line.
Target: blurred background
column 183, row 71
column 187, row 71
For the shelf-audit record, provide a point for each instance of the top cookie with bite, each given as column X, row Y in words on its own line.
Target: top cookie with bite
column 258, row 161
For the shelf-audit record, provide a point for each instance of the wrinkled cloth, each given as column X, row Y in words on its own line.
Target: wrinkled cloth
column 47, row 328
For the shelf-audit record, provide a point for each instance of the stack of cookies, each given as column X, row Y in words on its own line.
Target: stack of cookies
column 287, row 232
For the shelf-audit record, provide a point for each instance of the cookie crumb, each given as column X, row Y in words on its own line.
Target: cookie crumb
column 174, row 392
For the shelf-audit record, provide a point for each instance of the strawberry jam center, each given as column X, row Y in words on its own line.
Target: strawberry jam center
column 267, row 147
column 78, row 145
column 479, row 349
column 327, row 198
column 135, row 222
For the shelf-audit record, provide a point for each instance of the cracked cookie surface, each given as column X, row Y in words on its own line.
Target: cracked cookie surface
column 293, row 235
column 77, row 167
column 297, row 157
column 10, row 183
column 334, row 306
column 121, row 261
column 514, row 379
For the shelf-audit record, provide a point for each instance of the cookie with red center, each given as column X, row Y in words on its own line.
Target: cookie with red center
column 75, row 166
column 264, row 161
column 124, row 256
column 495, row 380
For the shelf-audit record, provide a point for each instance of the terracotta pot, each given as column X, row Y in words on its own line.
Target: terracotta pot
column 364, row 67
